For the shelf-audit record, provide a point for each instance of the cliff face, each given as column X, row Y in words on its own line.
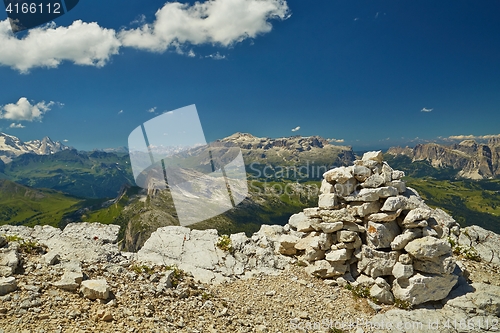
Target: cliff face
column 295, row 150
column 472, row 160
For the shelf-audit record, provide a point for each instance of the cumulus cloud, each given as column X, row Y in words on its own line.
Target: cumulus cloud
column 426, row 110
column 152, row 110
column 176, row 27
column 474, row 137
column 218, row 22
column 295, row 129
column 336, row 140
column 81, row 43
column 14, row 125
column 24, row 110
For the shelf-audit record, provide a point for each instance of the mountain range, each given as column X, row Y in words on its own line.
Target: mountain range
column 12, row 147
column 468, row 159
column 282, row 175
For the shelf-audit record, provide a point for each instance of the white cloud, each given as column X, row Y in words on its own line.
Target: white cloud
column 336, row 140
column 81, row 43
column 474, row 137
column 65, row 140
column 14, row 125
column 426, row 110
column 24, row 110
column 216, row 56
column 152, row 110
column 176, row 27
column 296, row 129
column 120, row 112
column 217, row 22
column 168, row 112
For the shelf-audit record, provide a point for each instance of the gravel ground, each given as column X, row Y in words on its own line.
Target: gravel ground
column 289, row 302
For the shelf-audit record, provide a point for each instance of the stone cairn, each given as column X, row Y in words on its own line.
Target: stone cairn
column 371, row 231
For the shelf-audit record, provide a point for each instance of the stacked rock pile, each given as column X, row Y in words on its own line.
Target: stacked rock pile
column 372, row 231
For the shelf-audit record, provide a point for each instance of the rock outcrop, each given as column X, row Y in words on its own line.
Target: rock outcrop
column 369, row 226
column 471, row 159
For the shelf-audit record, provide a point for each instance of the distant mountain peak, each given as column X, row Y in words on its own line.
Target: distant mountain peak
column 11, row 147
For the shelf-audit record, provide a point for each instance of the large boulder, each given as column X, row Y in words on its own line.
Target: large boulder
column 421, row 288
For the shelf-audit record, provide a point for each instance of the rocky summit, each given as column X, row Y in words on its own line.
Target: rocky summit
column 371, row 257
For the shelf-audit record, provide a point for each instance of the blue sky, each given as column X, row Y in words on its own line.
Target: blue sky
column 360, row 72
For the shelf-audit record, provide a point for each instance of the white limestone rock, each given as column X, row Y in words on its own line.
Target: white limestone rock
column 376, row 156
column 296, row 219
column 384, row 217
column 106, row 233
column 326, row 187
column 51, row 258
column 421, row 288
column 9, row 260
column 339, row 255
column 7, row 285
column 365, row 281
column 328, row 201
column 331, row 216
column 444, row 264
column 381, row 235
column 397, row 175
column 310, row 241
column 346, row 188
column 325, row 241
column 417, row 214
column 373, row 181
column 72, row 276
column 398, row 184
column 486, row 243
column 361, row 173
column 393, row 204
column 325, row 269
column 428, row 248
column 376, row 263
column 329, row 228
column 351, row 226
column 401, row 270
column 311, row 212
column 311, row 254
column 95, row 289
column 286, row 244
column 338, row 175
column 363, row 209
column 401, row 240
column 381, row 291
column 346, row 236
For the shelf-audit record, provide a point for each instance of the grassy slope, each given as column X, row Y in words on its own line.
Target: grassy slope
column 27, row 206
column 87, row 175
column 469, row 202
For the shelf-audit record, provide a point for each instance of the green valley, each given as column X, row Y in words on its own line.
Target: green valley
column 27, row 206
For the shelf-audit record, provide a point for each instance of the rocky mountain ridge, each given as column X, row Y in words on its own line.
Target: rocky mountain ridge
column 295, row 150
column 11, row 147
column 471, row 159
